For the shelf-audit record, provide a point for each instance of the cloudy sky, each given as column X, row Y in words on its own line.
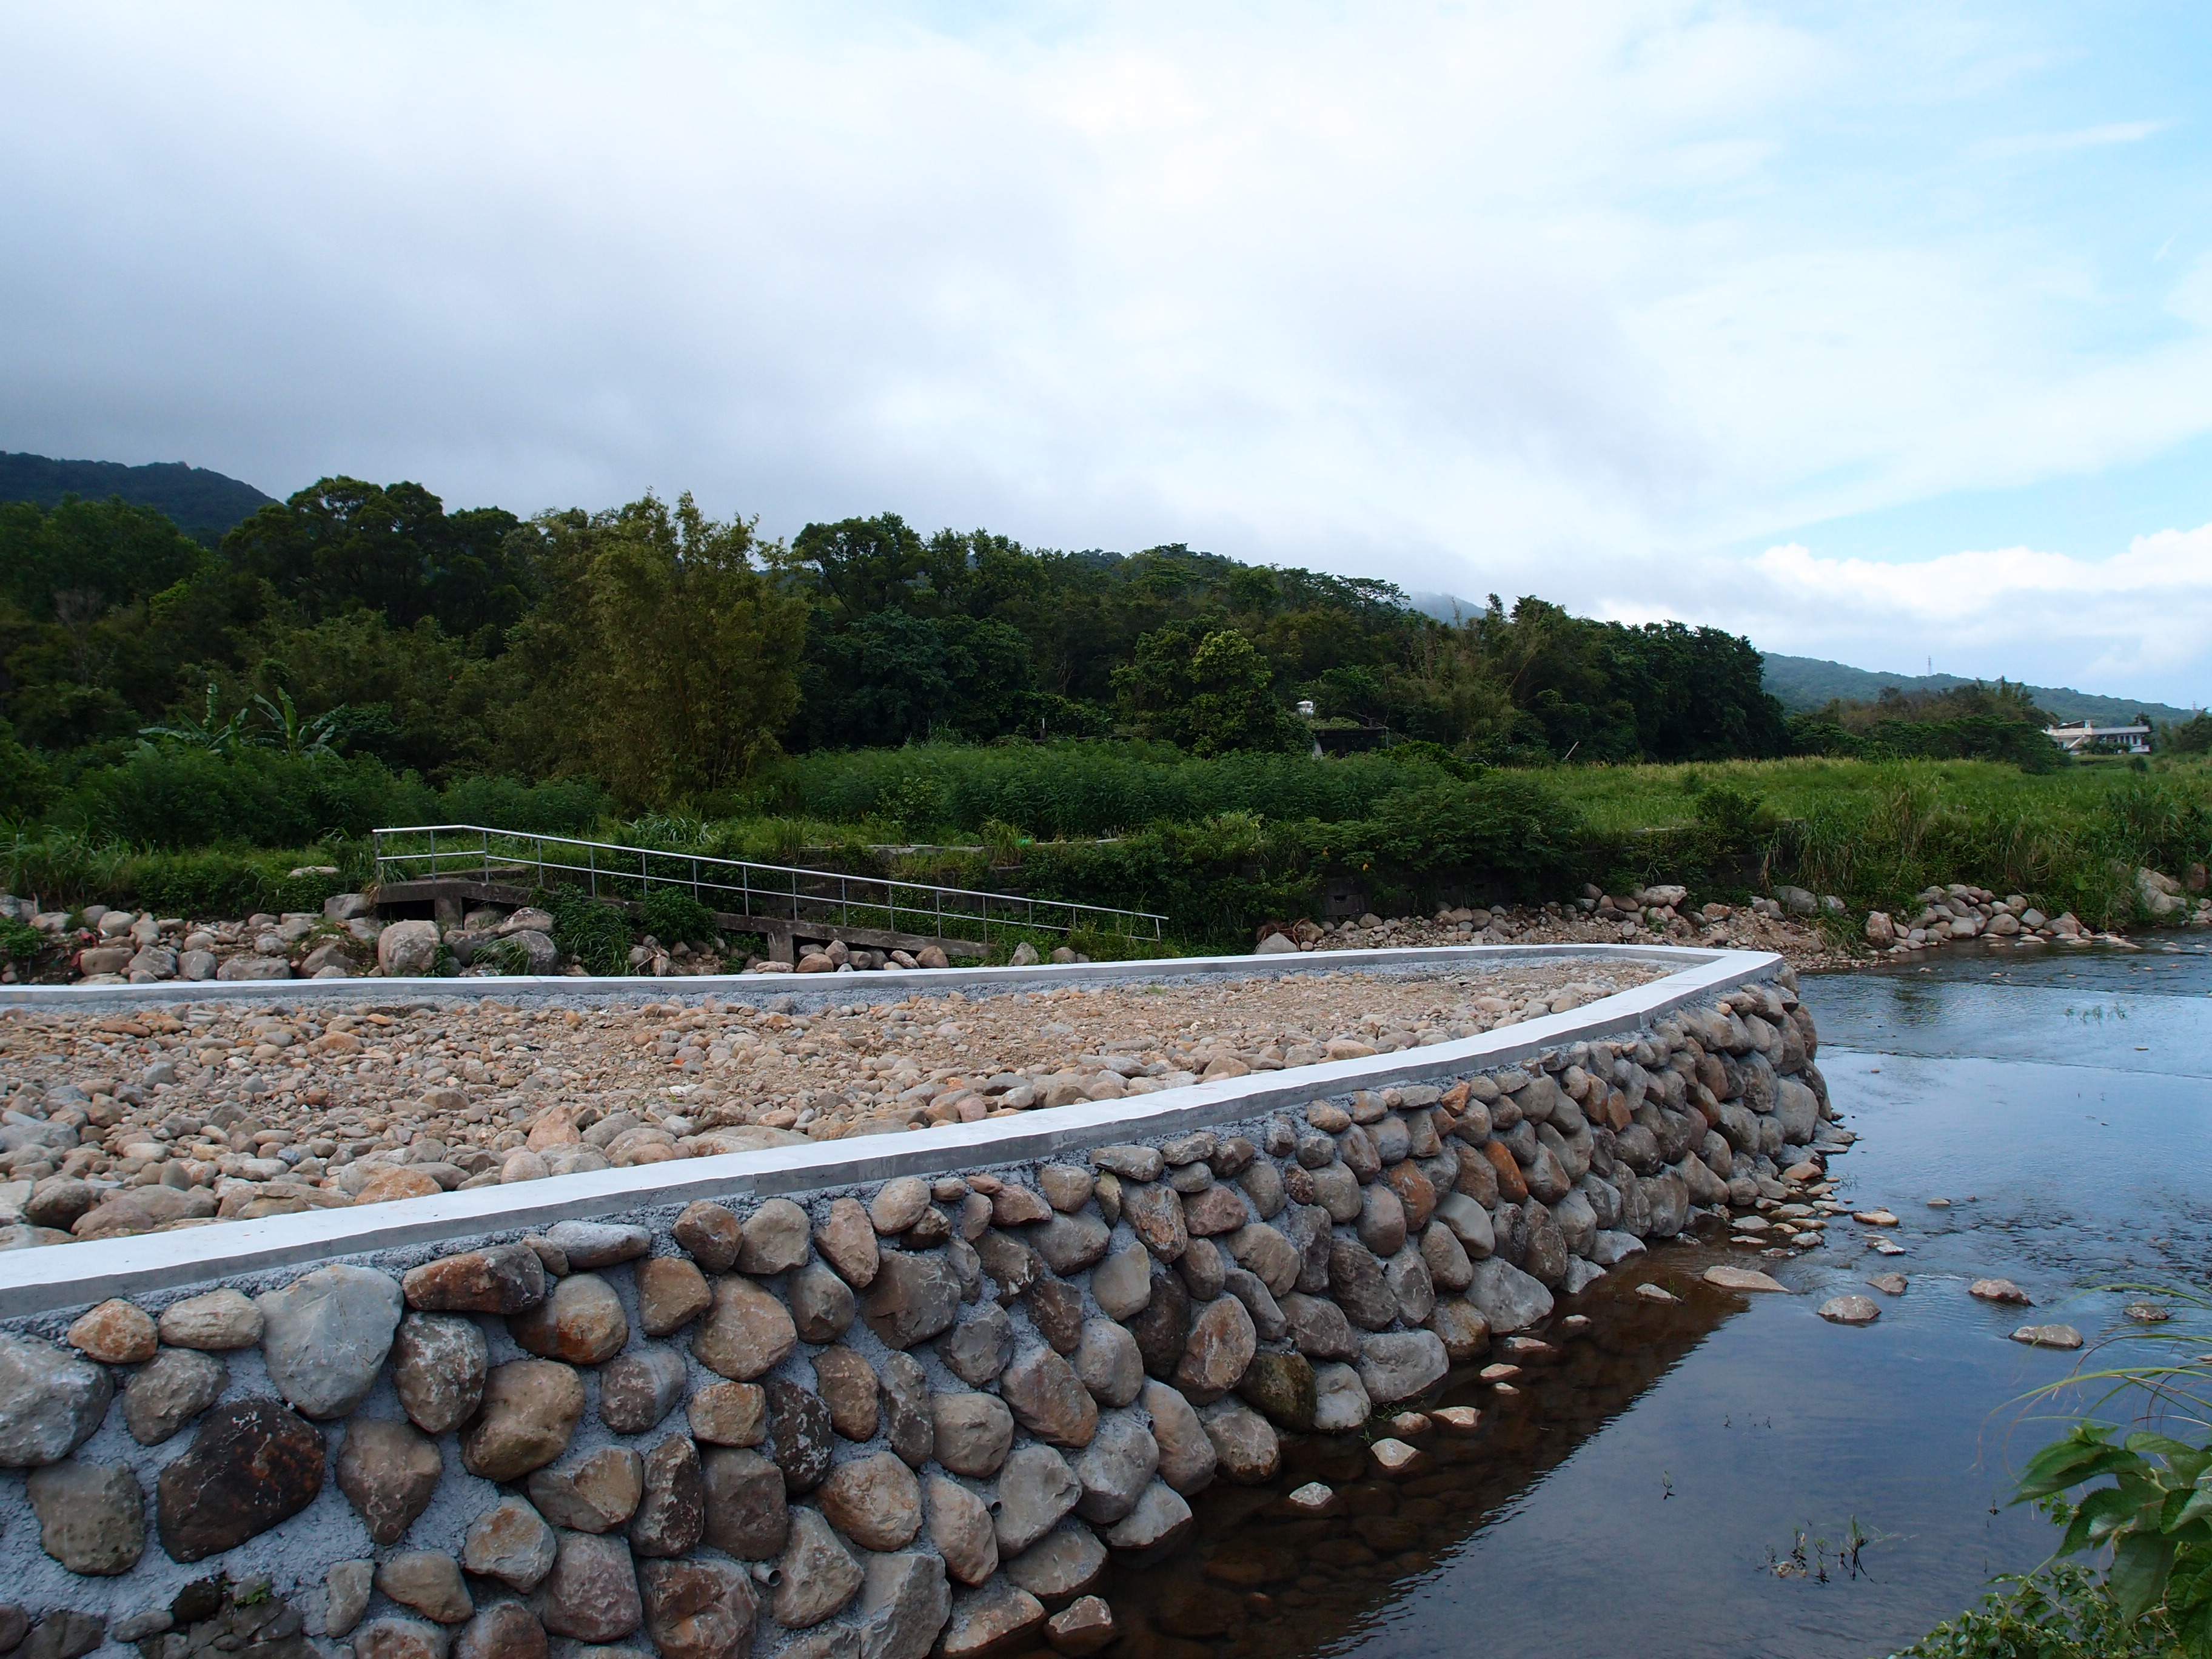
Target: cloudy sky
column 1880, row 331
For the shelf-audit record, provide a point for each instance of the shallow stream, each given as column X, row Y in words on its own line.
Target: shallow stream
column 1731, row 1475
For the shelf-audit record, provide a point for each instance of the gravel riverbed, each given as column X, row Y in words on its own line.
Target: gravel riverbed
column 196, row 1113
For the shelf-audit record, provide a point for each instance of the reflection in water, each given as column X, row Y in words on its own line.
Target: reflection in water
column 1634, row 1497
column 1260, row 1577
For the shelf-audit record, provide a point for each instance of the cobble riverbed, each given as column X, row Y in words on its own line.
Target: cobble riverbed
column 1723, row 1474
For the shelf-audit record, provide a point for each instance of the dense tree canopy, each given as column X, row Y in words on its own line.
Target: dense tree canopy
column 669, row 656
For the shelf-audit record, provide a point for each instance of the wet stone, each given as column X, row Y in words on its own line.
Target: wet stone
column 1114, row 1468
column 1243, row 1441
column 1850, row 1311
column 1163, row 1327
column 438, row 1368
column 1281, row 1387
column 1160, row 1517
column 251, row 1464
column 1358, row 1285
column 996, row 1618
column 389, row 1472
column 1188, row 1458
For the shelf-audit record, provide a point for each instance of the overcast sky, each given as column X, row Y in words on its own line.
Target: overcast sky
column 1879, row 331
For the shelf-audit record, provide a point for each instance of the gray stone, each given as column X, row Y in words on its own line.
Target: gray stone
column 774, row 1238
column 1268, row 1255
column 822, row 1303
column 428, row 1581
column 973, row 1432
column 819, row 1574
column 325, row 1335
column 346, row 1587
column 1063, row 1564
column 511, row 1542
column 1509, row 1300
column 1220, row 1346
column 597, row 1243
column 1137, row 1163
column 960, row 1527
column 1244, row 1442
column 1113, row 1469
column 997, row 1619
column 439, row 1362
column 1581, row 1275
column 637, row 1390
column 1319, row 1328
column 1069, row 1243
column 671, row 1516
column 875, row 1501
column 1108, row 1363
column 594, row 1491
column 746, row 1514
column 909, row 1422
column 1162, row 1329
column 592, row 1593
column 1357, row 1284
column 746, row 1333
column 801, row 1433
column 531, row 1409
column 904, row 1602
column 1462, row 1329
column 404, row 950
column 1407, row 1275
column 1382, row 1225
column 1036, row 1488
column 1340, row 1402
column 51, row 1401
column 1397, row 1366
column 1159, row 1517
column 912, row 1297
column 162, row 1396
column 1084, row 1626
column 1449, row 1267
column 698, row 1609
column 1202, row 1267
column 1123, row 1283
column 979, row 1347
column 92, row 1516
column 1050, row 1401
column 1188, row 1457
column 389, row 1472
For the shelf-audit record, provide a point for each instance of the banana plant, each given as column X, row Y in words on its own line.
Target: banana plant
column 216, row 737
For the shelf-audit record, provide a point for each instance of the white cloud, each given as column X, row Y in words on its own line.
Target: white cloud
column 1531, row 298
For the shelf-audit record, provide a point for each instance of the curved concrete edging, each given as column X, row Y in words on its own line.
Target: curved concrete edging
column 42, row 1280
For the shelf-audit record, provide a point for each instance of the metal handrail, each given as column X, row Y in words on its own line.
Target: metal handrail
column 769, row 891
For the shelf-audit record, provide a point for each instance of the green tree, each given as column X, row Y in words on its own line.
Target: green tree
column 663, row 660
column 1208, row 689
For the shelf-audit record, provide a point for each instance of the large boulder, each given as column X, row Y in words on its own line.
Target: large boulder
column 325, row 1335
column 406, row 950
column 51, row 1401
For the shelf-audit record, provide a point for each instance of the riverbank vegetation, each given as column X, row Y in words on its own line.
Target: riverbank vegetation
column 1120, row 730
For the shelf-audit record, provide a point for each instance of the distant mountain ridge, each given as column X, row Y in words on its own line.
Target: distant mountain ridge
column 1801, row 683
column 203, row 504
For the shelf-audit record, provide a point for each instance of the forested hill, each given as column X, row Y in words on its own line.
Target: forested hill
column 1804, row 683
column 202, row 503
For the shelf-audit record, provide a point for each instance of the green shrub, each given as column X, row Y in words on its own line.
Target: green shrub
column 672, row 915
column 2063, row 1612
column 596, row 935
column 19, row 940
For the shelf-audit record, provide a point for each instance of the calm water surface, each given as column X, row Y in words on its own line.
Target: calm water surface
column 1651, row 1491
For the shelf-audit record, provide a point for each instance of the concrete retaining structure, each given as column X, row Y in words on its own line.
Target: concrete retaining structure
column 862, row 1400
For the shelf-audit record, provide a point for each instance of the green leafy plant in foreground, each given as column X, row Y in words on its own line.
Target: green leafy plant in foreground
column 595, row 934
column 2063, row 1612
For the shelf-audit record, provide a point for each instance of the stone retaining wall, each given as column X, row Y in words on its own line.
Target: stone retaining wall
column 858, row 1401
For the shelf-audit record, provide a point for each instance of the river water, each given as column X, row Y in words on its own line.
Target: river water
column 1731, row 1475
